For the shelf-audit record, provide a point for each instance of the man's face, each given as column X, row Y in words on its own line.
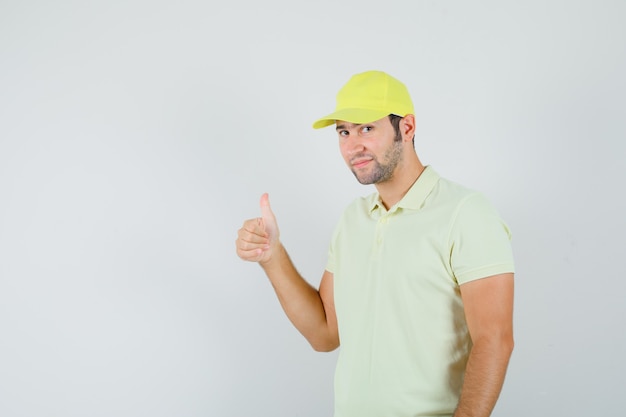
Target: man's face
column 371, row 150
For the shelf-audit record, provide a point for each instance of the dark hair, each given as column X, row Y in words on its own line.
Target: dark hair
column 395, row 122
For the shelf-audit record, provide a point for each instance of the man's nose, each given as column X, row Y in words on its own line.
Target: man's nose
column 355, row 146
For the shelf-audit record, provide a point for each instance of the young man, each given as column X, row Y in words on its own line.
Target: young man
column 419, row 282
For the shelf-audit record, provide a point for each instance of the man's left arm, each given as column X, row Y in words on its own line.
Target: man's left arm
column 488, row 304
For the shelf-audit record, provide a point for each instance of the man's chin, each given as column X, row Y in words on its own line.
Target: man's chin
column 363, row 180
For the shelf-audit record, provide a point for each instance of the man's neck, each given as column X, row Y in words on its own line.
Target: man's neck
column 395, row 189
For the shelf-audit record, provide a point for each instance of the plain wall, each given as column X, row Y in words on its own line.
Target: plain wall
column 137, row 136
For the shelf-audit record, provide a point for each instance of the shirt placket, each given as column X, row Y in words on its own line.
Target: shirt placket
column 379, row 235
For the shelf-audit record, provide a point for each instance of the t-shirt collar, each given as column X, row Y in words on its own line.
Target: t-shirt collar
column 415, row 197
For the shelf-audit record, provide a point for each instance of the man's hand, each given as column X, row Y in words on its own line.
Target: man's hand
column 310, row 310
column 258, row 238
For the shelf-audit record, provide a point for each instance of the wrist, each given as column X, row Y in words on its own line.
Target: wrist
column 275, row 253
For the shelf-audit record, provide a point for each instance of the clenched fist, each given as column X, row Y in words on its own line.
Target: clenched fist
column 258, row 238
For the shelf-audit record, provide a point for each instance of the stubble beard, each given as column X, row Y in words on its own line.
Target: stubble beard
column 381, row 172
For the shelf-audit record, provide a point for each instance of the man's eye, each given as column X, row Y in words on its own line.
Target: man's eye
column 343, row 133
column 366, row 129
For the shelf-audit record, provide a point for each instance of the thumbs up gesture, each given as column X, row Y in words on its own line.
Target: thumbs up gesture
column 258, row 238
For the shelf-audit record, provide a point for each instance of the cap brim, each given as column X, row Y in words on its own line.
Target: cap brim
column 358, row 116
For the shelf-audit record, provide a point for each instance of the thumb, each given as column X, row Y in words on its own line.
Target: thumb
column 269, row 219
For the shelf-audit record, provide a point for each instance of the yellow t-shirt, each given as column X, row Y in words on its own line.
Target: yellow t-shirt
column 404, row 339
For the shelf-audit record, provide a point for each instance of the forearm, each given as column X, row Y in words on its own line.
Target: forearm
column 300, row 301
column 484, row 376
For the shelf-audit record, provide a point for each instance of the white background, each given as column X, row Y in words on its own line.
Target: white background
column 136, row 136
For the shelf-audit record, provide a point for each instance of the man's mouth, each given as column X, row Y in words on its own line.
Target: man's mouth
column 360, row 163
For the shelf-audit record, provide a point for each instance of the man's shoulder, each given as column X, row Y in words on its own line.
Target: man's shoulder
column 463, row 202
column 447, row 191
column 455, row 187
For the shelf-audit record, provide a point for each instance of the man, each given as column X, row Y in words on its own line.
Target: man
column 419, row 282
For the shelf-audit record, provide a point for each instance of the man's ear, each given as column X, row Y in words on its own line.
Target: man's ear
column 407, row 127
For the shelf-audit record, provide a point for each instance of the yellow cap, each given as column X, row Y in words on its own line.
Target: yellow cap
column 367, row 97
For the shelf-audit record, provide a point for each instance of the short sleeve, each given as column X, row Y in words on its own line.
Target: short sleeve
column 331, row 261
column 480, row 241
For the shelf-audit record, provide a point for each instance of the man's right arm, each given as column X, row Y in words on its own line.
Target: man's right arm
column 311, row 311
